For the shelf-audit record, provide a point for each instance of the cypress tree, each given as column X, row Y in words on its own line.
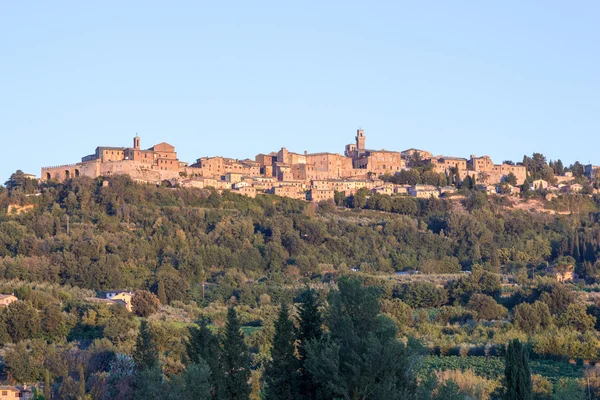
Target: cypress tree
column 310, row 328
column 518, row 375
column 145, row 354
column 281, row 372
column 47, row 385
column 81, row 382
column 576, row 252
column 236, row 360
column 161, row 293
column 203, row 347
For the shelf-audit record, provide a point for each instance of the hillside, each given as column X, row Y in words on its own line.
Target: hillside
column 196, row 252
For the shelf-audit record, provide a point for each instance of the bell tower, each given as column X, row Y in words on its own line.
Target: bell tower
column 136, row 142
column 360, row 139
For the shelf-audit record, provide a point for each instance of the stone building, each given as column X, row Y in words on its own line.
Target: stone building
column 220, row 166
column 266, row 162
column 291, row 191
column 592, row 171
column 410, row 153
column 445, row 165
column 377, row 162
column 155, row 164
column 490, row 173
column 6, row 299
column 424, row 191
column 15, row 392
column 317, row 195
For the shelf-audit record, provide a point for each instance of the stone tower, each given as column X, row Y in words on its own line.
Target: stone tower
column 136, row 142
column 360, row 139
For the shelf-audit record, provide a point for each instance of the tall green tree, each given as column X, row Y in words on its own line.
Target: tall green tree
column 22, row 321
column 310, row 328
column 281, row 372
column 145, row 354
column 236, row 360
column 517, row 373
column 360, row 357
column 203, row 347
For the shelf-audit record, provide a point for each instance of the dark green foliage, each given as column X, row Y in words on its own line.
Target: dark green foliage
column 193, row 384
column 19, row 182
column 236, row 360
column 486, row 308
column 360, row 357
column 149, row 383
column 517, row 373
column 532, row 317
column 145, row 354
column 479, row 281
column 144, row 303
column 558, row 298
column 449, row 390
column 22, row 321
column 203, row 347
column 422, row 294
column 162, row 295
column 281, row 372
column 310, row 329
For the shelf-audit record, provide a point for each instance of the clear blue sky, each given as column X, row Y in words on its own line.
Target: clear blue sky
column 236, row 78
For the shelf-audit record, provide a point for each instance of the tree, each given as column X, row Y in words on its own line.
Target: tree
column 18, row 180
column 558, row 298
column 22, row 321
column 485, row 307
column 203, row 346
column 144, row 303
column 511, row 179
column 517, row 373
column 531, row 317
column 360, row 357
column 281, row 372
column 339, row 198
column 53, row 323
column 149, row 383
column 569, row 389
column 236, row 360
column 193, row 384
column 577, row 318
column 145, row 354
column 310, row 329
column 161, row 293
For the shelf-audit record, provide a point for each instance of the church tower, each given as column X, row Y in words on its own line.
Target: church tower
column 360, row 139
column 136, row 142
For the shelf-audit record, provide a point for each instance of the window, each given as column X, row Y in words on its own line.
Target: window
column 4, row 393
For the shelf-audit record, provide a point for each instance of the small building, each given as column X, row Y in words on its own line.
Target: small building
column 6, row 299
column 488, row 189
column 15, row 392
column 424, row 191
column 515, row 190
column 317, row 195
column 562, row 273
column 247, row 191
column 402, row 189
column 575, row 188
column 122, row 297
column 446, row 190
column 233, row 177
column 385, row 189
column 538, row 184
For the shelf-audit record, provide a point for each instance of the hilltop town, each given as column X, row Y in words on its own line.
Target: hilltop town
column 315, row 176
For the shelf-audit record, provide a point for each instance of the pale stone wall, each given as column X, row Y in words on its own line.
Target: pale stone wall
column 316, row 195
column 63, row 172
